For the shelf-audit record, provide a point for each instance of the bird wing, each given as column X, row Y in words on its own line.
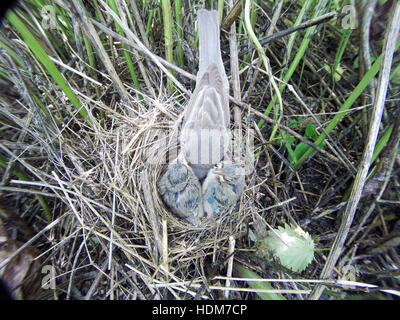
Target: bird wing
column 205, row 133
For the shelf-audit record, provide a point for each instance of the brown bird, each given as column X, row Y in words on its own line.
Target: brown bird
column 205, row 139
column 205, row 135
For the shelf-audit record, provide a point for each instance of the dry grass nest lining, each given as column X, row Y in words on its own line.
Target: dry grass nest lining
column 127, row 162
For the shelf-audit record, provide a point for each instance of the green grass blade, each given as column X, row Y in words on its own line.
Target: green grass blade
column 246, row 273
column 342, row 46
column 298, row 21
column 167, row 20
column 220, row 10
column 149, row 21
column 368, row 77
column 41, row 105
column 346, row 105
column 44, row 59
column 265, row 61
column 178, row 18
column 296, row 61
column 128, row 59
column 92, row 63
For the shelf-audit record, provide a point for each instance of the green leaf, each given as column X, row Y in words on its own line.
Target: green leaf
column 311, row 133
column 299, row 150
column 292, row 155
column 246, row 273
column 338, row 72
column 285, row 138
column 95, row 240
column 292, row 246
column 355, row 63
column 294, row 122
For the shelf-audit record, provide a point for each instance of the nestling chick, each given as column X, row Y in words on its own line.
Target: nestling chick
column 181, row 191
column 222, row 188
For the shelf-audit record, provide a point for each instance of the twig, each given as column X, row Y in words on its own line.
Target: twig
column 91, row 33
column 383, row 174
column 139, row 22
column 232, row 15
column 339, row 153
column 263, row 41
column 231, row 251
column 110, row 255
column 139, row 46
column 365, row 56
column 165, row 245
column 96, row 281
column 154, row 222
column 235, row 73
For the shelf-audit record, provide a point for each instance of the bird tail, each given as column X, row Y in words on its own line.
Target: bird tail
column 209, row 44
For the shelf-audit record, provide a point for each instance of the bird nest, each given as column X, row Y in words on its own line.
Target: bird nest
column 109, row 180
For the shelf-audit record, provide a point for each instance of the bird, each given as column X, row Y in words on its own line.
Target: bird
column 200, row 181
column 222, row 188
column 205, row 135
column 181, row 190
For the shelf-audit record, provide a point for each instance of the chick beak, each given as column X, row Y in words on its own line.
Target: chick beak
column 220, row 173
column 184, row 162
